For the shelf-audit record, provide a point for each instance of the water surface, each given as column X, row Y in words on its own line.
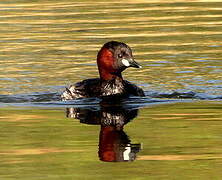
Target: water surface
column 172, row 133
column 46, row 45
column 176, row 140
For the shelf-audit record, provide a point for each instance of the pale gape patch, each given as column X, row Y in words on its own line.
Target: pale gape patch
column 125, row 62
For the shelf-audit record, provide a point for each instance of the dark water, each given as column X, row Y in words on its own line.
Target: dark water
column 172, row 133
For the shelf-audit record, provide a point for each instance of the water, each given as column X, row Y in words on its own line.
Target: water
column 170, row 141
column 172, row 133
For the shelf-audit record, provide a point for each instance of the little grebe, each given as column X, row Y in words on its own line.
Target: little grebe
column 113, row 58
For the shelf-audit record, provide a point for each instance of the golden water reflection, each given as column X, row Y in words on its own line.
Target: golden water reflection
column 59, row 40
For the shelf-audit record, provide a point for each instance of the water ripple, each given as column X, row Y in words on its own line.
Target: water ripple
column 48, row 45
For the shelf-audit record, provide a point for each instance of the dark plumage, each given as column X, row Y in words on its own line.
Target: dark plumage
column 112, row 59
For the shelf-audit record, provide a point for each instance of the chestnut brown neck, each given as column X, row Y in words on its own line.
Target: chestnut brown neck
column 105, row 62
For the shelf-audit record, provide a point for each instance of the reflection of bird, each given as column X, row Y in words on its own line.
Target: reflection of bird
column 107, row 116
column 114, row 144
column 112, row 59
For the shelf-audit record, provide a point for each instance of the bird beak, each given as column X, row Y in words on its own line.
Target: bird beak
column 131, row 63
column 135, row 64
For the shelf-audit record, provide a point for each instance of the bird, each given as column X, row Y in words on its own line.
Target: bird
column 112, row 59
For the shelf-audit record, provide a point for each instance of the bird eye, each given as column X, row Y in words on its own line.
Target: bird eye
column 120, row 55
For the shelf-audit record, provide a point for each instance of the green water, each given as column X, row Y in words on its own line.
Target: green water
column 179, row 141
column 47, row 45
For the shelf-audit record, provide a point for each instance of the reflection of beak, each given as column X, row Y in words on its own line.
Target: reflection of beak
column 131, row 63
